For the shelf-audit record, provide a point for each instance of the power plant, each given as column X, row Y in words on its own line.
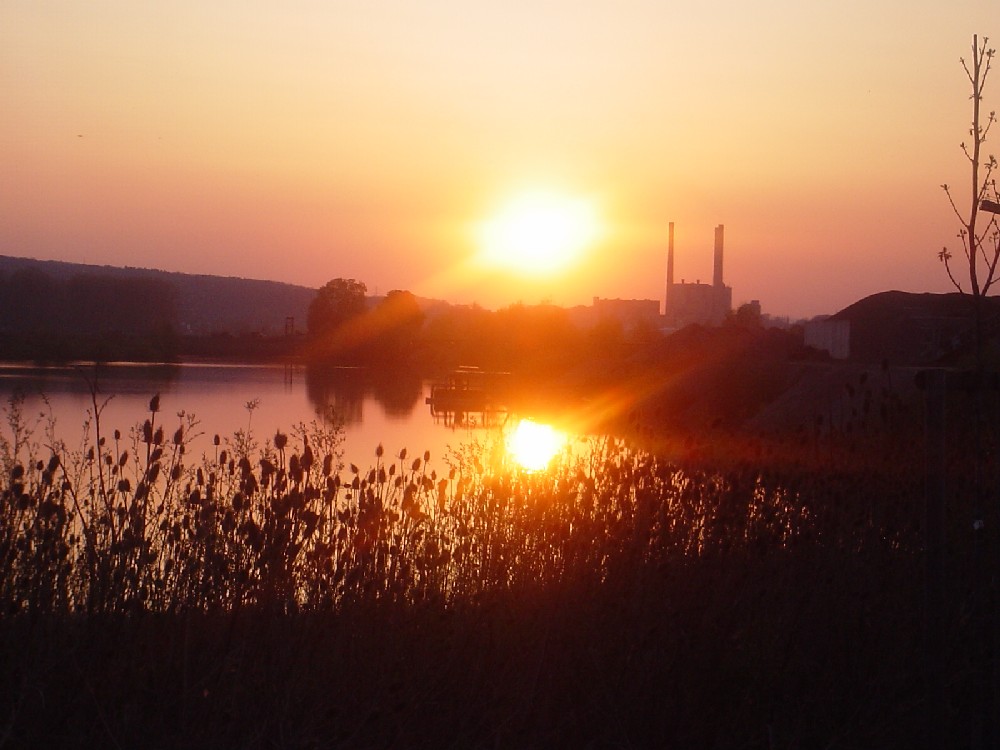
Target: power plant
column 686, row 303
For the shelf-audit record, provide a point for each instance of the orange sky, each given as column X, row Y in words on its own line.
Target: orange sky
column 307, row 140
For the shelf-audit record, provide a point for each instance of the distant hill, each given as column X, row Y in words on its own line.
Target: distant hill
column 202, row 304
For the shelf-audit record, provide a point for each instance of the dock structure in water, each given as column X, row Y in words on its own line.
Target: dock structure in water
column 469, row 390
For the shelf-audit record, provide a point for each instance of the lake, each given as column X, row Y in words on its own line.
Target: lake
column 387, row 408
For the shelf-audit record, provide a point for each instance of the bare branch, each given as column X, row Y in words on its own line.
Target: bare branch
column 965, row 67
column 980, row 244
column 944, row 256
column 989, row 124
column 965, row 245
column 952, row 202
column 986, row 56
column 981, row 239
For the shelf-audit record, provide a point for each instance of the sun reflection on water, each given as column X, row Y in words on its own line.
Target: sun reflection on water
column 533, row 445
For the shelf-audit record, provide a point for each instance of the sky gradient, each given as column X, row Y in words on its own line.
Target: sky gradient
column 304, row 141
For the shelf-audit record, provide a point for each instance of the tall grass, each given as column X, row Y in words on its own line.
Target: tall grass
column 263, row 594
column 132, row 523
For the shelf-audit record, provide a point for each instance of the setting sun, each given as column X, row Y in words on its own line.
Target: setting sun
column 538, row 233
column 533, row 445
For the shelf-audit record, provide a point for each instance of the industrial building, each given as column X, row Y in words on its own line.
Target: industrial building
column 629, row 312
column 687, row 303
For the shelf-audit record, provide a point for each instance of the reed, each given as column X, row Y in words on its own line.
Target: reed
column 265, row 594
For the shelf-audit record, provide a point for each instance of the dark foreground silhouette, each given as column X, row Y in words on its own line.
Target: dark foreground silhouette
column 736, row 593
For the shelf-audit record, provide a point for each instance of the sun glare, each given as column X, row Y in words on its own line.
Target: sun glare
column 533, row 445
column 538, row 233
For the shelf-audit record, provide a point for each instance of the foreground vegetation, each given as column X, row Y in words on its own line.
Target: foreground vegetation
column 266, row 596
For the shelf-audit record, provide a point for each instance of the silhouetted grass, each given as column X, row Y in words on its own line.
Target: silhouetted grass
column 266, row 596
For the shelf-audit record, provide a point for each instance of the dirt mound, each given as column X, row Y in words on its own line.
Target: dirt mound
column 904, row 328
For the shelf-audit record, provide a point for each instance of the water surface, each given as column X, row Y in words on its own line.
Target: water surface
column 387, row 409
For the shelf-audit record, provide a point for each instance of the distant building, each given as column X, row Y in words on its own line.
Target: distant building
column 627, row 311
column 706, row 304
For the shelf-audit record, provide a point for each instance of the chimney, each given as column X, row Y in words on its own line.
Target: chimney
column 717, row 278
column 670, row 259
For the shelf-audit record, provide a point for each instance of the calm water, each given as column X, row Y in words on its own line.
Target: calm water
column 388, row 410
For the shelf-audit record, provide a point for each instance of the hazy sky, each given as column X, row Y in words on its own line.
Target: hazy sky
column 302, row 141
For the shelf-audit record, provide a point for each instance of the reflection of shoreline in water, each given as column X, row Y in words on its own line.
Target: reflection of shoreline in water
column 218, row 395
column 88, row 377
column 343, row 389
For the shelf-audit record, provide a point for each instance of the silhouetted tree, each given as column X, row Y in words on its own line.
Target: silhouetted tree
column 337, row 322
column 980, row 246
column 746, row 315
column 608, row 338
column 336, row 302
column 459, row 336
column 644, row 335
column 535, row 338
column 395, row 324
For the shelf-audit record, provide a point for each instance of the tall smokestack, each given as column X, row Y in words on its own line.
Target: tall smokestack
column 717, row 277
column 670, row 259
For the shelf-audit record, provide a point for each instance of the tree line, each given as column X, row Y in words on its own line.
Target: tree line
column 728, row 371
column 344, row 329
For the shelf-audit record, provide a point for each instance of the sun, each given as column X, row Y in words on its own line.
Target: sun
column 533, row 445
column 538, row 232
